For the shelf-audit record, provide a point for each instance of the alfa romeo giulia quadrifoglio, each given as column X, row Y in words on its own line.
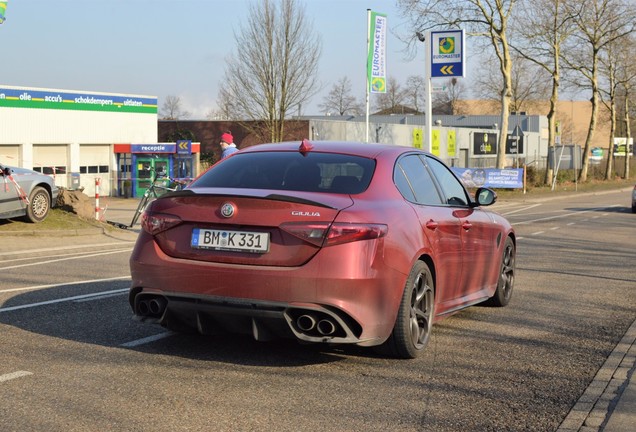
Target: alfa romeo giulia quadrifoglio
column 325, row 242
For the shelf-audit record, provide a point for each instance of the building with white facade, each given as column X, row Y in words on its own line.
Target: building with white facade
column 81, row 136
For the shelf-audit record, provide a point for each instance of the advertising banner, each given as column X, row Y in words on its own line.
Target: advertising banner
column 451, row 140
column 620, row 146
column 435, row 146
column 490, row 177
column 484, row 143
column 3, row 10
column 376, row 61
column 418, row 135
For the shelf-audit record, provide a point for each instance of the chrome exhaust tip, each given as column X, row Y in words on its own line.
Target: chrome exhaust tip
column 326, row 327
column 306, row 322
column 157, row 305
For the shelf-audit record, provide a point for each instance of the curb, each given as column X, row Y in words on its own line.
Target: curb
column 596, row 406
column 526, row 198
column 54, row 233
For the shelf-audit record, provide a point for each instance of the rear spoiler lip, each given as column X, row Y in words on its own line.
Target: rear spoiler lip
column 344, row 200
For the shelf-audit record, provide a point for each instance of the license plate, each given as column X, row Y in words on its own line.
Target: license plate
column 239, row 241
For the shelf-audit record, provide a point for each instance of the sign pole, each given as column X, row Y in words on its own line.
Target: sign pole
column 428, row 113
column 367, row 70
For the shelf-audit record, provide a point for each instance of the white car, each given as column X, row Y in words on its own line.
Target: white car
column 25, row 193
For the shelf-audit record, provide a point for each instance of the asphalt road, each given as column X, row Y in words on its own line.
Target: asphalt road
column 72, row 359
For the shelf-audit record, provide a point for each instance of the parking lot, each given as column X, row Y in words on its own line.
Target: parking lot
column 74, row 359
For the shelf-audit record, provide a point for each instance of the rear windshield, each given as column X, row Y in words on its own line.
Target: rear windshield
column 314, row 172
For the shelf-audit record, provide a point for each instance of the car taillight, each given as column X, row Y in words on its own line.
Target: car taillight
column 324, row 233
column 154, row 223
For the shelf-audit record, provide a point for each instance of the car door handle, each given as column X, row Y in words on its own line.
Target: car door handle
column 432, row 225
column 467, row 225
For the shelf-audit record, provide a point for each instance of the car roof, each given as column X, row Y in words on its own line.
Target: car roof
column 369, row 150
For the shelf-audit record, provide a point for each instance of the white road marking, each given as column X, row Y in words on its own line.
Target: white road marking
column 31, row 258
column 554, row 228
column 563, row 215
column 64, row 259
column 146, row 340
column 14, row 375
column 571, row 223
column 65, row 299
column 62, row 248
column 36, row 287
column 521, row 209
column 113, row 294
column 537, row 233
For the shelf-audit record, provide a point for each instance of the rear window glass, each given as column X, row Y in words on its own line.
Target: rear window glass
column 314, row 172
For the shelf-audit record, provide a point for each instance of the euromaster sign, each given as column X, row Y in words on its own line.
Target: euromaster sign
column 49, row 99
column 447, row 53
column 376, row 61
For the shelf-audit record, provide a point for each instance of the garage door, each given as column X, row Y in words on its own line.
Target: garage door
column 10, row 155
column 52, row 159
column 95, row 164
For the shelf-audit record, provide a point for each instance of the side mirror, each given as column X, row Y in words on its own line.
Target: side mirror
column 485, row 196
column 6, row 171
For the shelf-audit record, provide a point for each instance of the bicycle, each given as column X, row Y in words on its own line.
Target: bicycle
column 159, row 186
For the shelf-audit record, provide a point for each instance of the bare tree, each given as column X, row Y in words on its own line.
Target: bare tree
column 274, row 69
column 626, row 79
column 599, row 23
column 393, row 100
column 415, row 93
column 487, row 19
column 340, row 100
column 529, row 83
column 447, row 100
column 609, row 63
column 628, row 133
column 544, row 26
column 172, row 109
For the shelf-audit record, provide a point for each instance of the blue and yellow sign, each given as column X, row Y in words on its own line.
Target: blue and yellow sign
column 447, row 54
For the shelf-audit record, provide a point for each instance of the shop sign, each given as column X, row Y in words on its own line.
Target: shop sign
column 153, row 148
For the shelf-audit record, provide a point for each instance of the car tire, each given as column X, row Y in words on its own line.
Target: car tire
column 506, row 281
column 414, row 322
column 39, row 205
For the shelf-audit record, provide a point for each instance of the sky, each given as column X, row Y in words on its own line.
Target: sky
column 177, row 48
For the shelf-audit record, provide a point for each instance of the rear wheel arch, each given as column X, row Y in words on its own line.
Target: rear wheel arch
column 428, row 260
column 506, row 277
column 413, row 324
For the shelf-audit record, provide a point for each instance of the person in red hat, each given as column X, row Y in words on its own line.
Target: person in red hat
column 227, row 145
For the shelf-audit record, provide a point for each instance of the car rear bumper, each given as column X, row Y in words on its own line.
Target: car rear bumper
column 326, row 300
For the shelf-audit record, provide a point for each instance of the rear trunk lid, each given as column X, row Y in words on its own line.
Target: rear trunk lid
column 252, row 227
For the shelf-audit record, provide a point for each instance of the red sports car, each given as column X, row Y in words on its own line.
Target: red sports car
column 329, row 242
